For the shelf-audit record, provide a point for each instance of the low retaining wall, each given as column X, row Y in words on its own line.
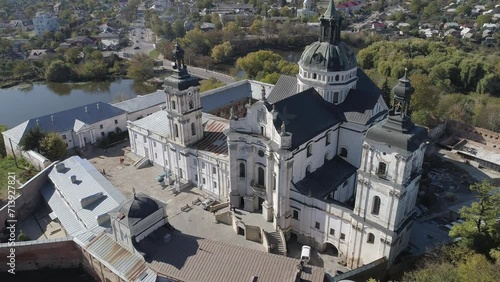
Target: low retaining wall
column 225, row 217
column 27, row 200
column 253, row 233
column 35, row 255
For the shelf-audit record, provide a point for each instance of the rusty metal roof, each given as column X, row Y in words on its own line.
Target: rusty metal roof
column 189, row 258
column 214, row 140
column 129, row 266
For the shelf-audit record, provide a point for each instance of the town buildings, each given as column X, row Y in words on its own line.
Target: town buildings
column 44, row 22
column 320, row 155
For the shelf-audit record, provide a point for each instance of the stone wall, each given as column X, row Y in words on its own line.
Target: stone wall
column 225, row 217
column 253, row 233
column 37, row 160
column 35, row 255
column 28, row 199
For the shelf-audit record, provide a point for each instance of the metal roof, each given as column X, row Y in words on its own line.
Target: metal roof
column 65, row 120
column 214, row 140
column 129, row 266
column 285, row 87
column 64, row 196
column 189, row 258
column 157, row 123
column 322, row 181
column 142, row 102
column 360, row 104
column 305, row 115
column 219, row 97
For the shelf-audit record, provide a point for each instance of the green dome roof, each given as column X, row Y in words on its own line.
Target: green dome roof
column 327, row 57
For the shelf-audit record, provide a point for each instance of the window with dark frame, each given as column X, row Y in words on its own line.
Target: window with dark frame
column 332, row 231
column 376, row 205
column 295, row 214
column 371, row 238
column 317, row 225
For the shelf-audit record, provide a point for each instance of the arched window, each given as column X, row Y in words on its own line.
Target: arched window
column 337, row 77
column 242, row 170
column 173, row 105
column 193, row 129
column 371, row 238
column 308, row 170
column 260, row 174
column 314, row 76
column 176, row 129
column 343, row 152
column 376, row 205
column 382, row 169
column 191, row 104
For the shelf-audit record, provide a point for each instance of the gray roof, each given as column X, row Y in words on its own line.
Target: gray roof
column 64, row 197
column 157, row 123
column 65, row 120
column 285, row 87
column 322, row 181
column 328, row 57
column 306, row 115
column 189, row 258
column 142, row 102
column 359, row 105
column 219, row 97
column 138, row 208
column 129, row 266
column 401, row 134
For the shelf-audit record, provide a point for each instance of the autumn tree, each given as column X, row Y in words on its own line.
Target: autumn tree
column 222, row 52
column 209, row 84
column 257, row 65
column 141, row 67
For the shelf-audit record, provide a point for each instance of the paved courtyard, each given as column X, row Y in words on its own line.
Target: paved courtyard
column 195, row 221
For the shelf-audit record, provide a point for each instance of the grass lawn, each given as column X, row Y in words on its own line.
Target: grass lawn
column 22, row 174
column 154, row 54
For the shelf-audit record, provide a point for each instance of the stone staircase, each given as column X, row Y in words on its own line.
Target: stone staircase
column 273, row 238
column 144, row 162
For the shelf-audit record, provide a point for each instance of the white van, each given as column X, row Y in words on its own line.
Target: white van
column 305, row 255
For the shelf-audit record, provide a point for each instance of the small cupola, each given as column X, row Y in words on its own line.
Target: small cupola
column 403, row 89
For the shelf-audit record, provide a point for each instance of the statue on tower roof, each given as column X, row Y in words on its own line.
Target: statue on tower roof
column 178, row 53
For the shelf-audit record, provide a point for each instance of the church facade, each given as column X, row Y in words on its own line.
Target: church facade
column 320, row 155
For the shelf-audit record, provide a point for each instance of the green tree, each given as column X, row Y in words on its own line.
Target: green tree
column 3, row 151
column 488, row 84
column 482, row 19
column 58, row 71
column 386, row 92
column 271, row 78
column 256, row 27
column 53, row 146
column 257, row 65
column 72, row 55
column 178, row 28
column 22, row 236
column 141, row 67
column 210, row 84
column 22, row 69
column 481, row 226
column 32, row 139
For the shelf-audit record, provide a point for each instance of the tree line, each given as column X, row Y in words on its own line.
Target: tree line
column 449, row 83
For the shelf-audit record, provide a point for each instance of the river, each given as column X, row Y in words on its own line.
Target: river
column 20, row 103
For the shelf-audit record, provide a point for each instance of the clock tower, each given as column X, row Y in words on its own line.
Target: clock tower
column 183, row 102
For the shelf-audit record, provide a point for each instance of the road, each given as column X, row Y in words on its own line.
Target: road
column 201, row 72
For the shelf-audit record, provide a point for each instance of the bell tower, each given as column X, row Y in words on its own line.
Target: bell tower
column 388, row 178
column 183, row 102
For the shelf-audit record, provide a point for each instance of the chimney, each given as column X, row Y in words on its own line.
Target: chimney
column 60, row 167
column 52, row 118
column 86, row 109
column 98, row 106
column 73, row 178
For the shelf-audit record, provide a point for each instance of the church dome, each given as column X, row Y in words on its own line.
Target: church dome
column 403, row 89
column 328, row 57
column 140, row 207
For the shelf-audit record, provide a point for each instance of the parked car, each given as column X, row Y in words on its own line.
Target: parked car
column 207, row 203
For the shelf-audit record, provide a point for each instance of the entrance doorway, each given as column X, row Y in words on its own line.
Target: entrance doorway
column 261, row 201
column 330, row 249
column 242, row 203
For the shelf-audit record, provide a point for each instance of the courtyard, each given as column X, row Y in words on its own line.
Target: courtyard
column 117, row 164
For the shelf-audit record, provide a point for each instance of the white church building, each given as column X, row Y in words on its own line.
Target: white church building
column 320, row 155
